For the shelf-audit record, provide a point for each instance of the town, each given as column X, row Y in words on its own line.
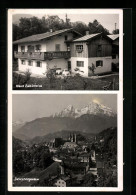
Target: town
column 72, row 160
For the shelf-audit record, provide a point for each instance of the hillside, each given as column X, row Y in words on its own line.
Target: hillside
column 86, row 123
column 43, row 175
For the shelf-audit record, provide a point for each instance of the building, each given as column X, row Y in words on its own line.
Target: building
column 91, row 54
column 115, row 47
column 67, row 49
column 70, row 145
column 73, row 137
column 39, row 52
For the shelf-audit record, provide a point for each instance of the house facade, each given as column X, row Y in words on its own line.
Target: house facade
column 37, row 53
column 67, row 49
column 92, row 51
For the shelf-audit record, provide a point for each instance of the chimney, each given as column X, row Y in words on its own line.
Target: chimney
column 87, row 32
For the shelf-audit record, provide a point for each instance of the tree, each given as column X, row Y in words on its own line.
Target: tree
column 116, row 31
column 80, row 27
column 96, row 27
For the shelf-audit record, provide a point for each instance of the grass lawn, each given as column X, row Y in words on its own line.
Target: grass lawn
column 69, row 83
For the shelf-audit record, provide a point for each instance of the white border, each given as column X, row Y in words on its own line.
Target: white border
column 119, row 99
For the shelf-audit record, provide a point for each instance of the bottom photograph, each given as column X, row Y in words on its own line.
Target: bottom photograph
column 64, row 140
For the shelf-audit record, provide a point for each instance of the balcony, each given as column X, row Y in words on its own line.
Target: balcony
column 42, row 55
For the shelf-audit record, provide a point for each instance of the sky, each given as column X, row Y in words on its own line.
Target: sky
column 107, row 20
column 27, row 107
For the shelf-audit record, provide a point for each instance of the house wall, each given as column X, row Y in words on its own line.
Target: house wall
column 93, row 47
column 43, row 46
column 33, row 69
column 74, row 53
column 107, row 65
column 116, row 60
column 49, row 45
column 116, row 42
column 74, row 65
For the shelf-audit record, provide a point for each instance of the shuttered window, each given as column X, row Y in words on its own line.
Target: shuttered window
column 22, row 48
column 80, row 63
column 38, row 64
column 99, row 63
column 57, row 47
column 23, row 62
column 79, row 48
column 30, row 63
column 38, row 47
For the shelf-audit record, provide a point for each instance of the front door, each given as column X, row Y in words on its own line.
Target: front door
column 69, row 65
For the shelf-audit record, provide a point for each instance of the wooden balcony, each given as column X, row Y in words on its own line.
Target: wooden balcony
column 42, row 55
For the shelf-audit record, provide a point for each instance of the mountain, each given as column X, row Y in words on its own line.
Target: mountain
column 90, row 119
column 86, row 123
column 94, row 107
column 17, row 124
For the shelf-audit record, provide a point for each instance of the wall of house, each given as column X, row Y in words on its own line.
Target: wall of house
column 93, row 47
column 75, row 53
column 116, row 60
column 116, row 42
column 107, row 65
column 43, row 46
column 50, row 44
column 74, row 65
column 33, row 69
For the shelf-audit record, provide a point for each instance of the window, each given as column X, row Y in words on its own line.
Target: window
column 99, row 63
column 30, row 63
column 80, row 63
column 68, row 47
column 38, row 47
column 69, row 65
column 23, row 62
column 23, row 48
column 99, row 47
column 30, row 48
column 79, row 48
column 38, row 64
column 57, row 47
column 66, row 37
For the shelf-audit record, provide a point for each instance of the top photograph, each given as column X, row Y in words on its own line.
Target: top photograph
column 65, row 50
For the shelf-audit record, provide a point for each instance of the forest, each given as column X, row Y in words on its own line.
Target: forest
column 34, row 25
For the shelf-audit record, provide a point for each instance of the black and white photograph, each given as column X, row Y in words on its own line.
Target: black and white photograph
column 71, row 142
column 65, row 50
column 65, row 100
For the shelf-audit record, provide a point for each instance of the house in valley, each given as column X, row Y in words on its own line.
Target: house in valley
column 92, row 51
column 39, row 52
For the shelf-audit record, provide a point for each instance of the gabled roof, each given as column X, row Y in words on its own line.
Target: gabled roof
column 113, row 37
column 87, row 37
column 39, row 37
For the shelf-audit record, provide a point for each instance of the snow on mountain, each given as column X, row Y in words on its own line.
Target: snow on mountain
column 94, row 107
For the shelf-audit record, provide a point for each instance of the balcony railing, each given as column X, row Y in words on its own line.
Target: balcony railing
column 42, row 55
